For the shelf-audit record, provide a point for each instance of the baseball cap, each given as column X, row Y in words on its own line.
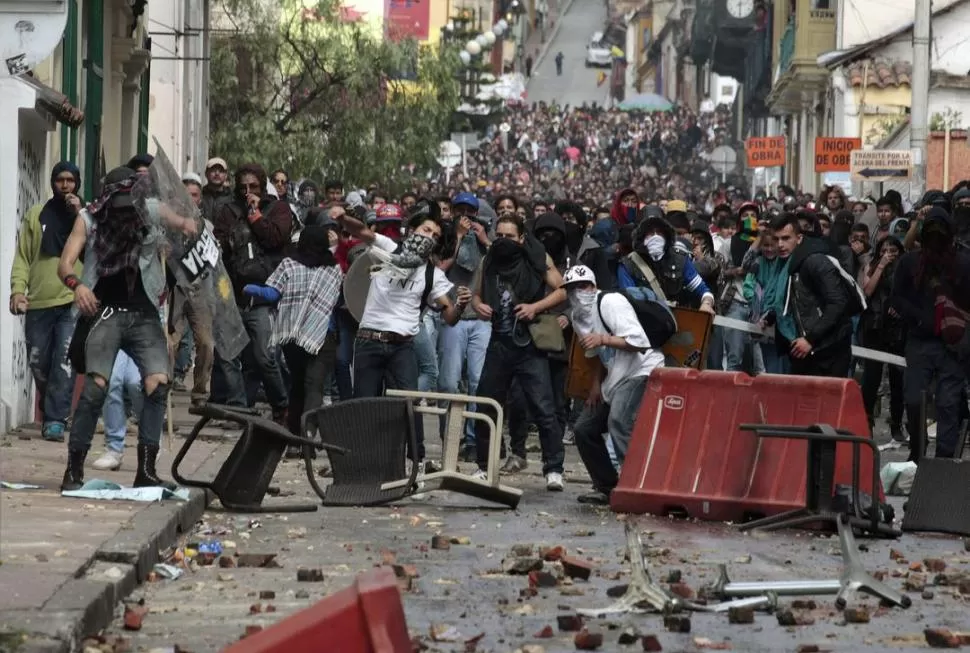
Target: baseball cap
column 465, row 198
column 578, row 274
column 192, row 177
column 676, row 205
column 216, row 161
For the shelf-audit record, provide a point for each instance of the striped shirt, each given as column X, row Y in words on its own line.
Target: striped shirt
column 308, row 297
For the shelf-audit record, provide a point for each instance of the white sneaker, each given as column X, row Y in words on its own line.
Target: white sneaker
column 109, row 461
column 480, row 475
column 554, row 482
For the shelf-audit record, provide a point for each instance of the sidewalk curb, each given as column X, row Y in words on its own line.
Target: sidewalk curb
column 552, row 36
column 86, row 603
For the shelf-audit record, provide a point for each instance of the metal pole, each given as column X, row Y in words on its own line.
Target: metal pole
column 919, row 115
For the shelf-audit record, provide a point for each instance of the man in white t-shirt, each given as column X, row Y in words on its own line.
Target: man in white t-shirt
column 384, row 348
column 608, row 329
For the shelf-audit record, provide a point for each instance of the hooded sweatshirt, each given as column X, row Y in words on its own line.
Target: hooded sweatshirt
column 34, row 273
column 622, row 215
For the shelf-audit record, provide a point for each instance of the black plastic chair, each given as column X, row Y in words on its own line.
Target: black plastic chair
column 378, row 436
column 243, row 480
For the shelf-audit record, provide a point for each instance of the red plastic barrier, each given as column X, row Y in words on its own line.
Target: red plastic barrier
column 367, row 617
column 687, row 452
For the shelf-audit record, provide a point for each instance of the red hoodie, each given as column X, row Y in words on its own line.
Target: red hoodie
column 343, row 250
column 619, row 212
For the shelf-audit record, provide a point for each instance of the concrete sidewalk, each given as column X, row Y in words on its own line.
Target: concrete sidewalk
column 64, row 562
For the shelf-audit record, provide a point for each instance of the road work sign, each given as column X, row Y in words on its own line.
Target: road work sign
column 765, row 151
column 835, row 154
column 881, row 165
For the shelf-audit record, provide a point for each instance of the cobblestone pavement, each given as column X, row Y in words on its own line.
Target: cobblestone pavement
column 465, row 587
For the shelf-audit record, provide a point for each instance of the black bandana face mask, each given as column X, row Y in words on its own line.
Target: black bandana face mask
column 414, row 251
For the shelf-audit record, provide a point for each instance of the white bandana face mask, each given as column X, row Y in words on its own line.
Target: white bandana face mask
column 655, row 245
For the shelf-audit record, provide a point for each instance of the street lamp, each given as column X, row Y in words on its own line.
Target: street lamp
column 473, row 48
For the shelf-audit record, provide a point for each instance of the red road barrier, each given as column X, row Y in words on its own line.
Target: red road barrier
column 688, row 454
column 366, row 617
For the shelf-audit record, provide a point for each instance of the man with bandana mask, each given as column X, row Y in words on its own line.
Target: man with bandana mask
column 36, row 290
column 656, row 265
column 121, row 292
column 928, row 282
column 608, row 329
column 464, row 344
column 518, row 282
column 626, row 207
column 307, row 197
column 961, row 217
column 575, row 218
column 397, row 296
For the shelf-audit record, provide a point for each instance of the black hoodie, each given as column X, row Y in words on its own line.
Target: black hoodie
column 550, row 229
column 818, row 296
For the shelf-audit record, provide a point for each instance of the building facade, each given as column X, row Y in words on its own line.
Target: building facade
column 98, row 66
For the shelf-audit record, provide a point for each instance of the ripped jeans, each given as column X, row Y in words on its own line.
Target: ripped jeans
column 48, row 334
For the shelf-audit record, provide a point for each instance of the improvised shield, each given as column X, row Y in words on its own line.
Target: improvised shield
column 357, row 284
column 195, row 261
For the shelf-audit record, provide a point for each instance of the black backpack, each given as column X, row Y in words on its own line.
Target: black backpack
column 655, row 316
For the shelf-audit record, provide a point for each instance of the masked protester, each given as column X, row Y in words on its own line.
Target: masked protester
column 654, row 264
column 575, row 218
column 305, row 288
column 608, row 328
column 120, row 294
column 307, row 197
column 518, row 282
column 36, row 290
column 402, row 286
column 388, row 221
column 930, row 291
column 961, row 218
column 626, row 207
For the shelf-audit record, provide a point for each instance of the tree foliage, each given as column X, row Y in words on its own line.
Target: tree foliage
column 306, row 87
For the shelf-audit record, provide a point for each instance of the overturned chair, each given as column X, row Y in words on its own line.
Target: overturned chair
column 244, row 477
column 379, row 439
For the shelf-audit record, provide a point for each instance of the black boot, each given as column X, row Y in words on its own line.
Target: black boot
column 146, row 476
column 74, row 474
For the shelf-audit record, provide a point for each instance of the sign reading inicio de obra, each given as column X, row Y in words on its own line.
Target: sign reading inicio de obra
column 765, row 151
column 881, row 165
column 835, row 154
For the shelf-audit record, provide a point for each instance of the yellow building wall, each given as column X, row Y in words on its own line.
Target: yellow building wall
column 881, row 107
column 438, row 18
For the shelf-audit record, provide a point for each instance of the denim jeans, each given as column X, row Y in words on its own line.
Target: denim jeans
column 220, row 391
column 142, row 337
column 517, row 410
column 426, row 350
column 463, row 345
column 346, row 333
column 183, row 355
column 307, row 374
column 504, row 362
column 736, row 340
column 617, row 418
column 259, row 357
column 776, row 362
column 391, row 365
column 48, row 334
column 125, row 380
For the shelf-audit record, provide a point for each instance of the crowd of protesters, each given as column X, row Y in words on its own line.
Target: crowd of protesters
column 570, row 224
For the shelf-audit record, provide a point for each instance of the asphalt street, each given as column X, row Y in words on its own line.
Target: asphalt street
column 464, row 590
column 577, row 84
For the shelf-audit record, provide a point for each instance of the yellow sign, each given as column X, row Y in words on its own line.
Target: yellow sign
column 881, row 165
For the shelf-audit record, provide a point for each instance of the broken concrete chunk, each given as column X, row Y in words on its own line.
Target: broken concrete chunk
column 651, row 644
column 542, row 579
column 304, row 575
column 569, row 623
column 586, row 640
column 521, row 566
column 741, row 615
column 856, row 615
column 576, row 568
column 677, row 623
column 522, row 550
column 941, row 638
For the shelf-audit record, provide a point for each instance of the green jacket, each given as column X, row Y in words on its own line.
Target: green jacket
column 35, row 274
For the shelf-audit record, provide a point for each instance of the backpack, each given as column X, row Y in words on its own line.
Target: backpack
column 857, row 297
column 654, row 315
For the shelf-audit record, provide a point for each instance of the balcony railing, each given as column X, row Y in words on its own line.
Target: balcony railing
column 786, row 49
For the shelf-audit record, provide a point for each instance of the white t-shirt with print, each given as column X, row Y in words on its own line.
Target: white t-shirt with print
column 620, row 365
column 393, row 304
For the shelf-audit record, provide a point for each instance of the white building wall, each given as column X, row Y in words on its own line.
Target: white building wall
column 23, row 183
column 861, row 21
column 179, row 101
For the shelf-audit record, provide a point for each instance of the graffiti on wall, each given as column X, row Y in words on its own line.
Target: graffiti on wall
column 30, row 191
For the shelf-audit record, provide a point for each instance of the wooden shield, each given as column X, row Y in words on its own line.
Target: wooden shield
column 581, row 371
column 357, row 284
column 688, row 347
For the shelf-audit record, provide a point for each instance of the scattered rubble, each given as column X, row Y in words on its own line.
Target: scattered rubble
column 941, row 638
column 569, row 623
column 856, row 615
column 440, row 543
column 741, row 615
column 677, row 623
column 587, row 640
column 651, row 644
column 304, row 575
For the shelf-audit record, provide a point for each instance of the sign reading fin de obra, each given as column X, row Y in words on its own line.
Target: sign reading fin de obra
column 881, row 165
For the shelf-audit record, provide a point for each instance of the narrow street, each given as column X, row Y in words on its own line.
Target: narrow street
column 465, row 587
column 578, row 83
